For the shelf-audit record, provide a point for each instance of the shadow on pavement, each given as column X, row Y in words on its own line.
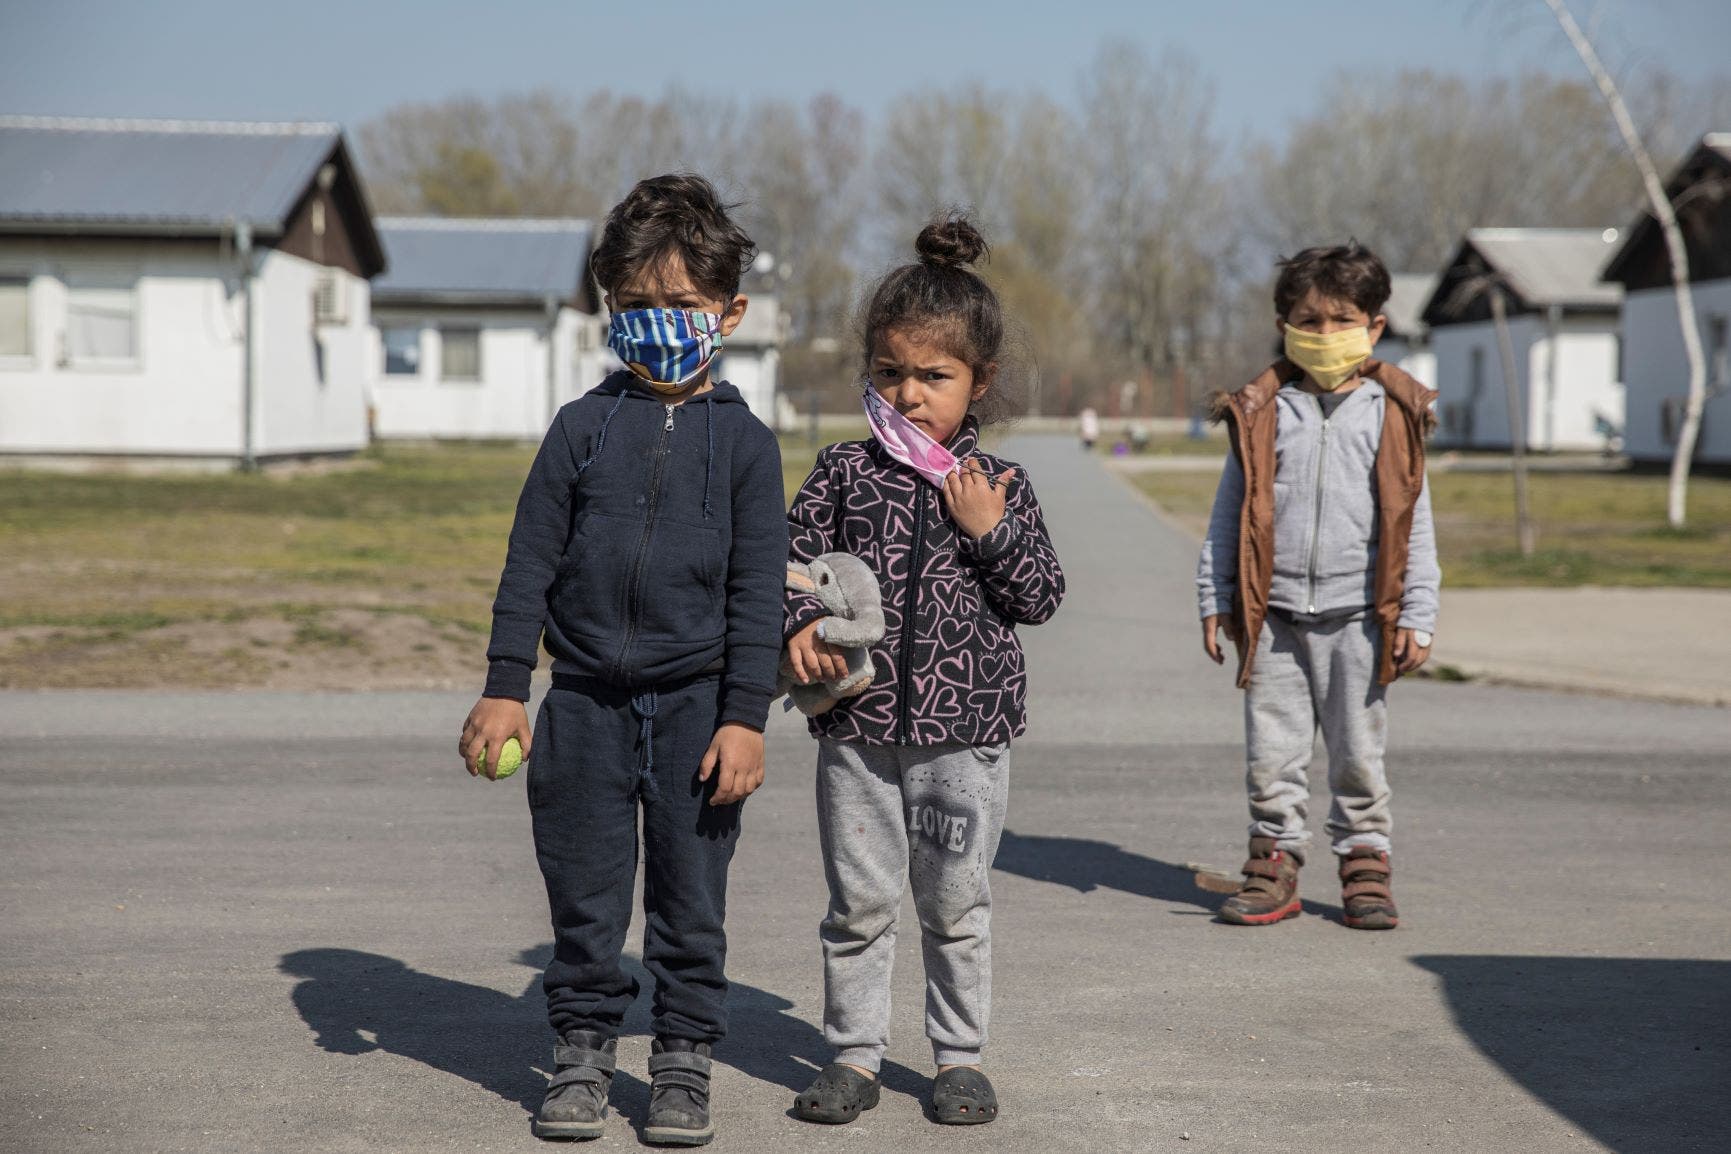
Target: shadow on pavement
column 356, row 1002
column 1085, row 865
column 1632, row 1050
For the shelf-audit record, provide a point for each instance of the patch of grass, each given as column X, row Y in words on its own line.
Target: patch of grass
column 1592, row 528
column 109, row 561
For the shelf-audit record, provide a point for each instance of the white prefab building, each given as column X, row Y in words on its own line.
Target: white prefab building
column 750, row 359
column 1563, row 323
column 483, row 328
column 1655, row 365
column 193, row 291
column 1406, row 339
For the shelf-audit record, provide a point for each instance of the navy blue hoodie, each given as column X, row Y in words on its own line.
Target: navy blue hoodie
column 650, row 544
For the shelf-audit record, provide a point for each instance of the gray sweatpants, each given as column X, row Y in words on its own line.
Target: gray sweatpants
column 890, row 814
column 1312, row 674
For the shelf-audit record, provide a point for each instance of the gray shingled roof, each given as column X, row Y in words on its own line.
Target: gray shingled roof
column 1551, row 266
column 1405, row 307
column 449, row 260
column 177, row 177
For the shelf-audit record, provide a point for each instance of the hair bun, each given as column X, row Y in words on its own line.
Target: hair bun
column 950, row 243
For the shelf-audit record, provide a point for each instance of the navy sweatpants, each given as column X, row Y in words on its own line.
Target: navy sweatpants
column 589, row 777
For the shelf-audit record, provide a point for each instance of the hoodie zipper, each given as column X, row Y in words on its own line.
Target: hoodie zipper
column 634, row 587
column 1316, row 524
column 911, row 601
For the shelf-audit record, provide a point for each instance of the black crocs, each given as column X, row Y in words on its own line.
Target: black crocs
column 678, row 1094
column 963, row 1096
column 838, row 1096
column 576, row 1101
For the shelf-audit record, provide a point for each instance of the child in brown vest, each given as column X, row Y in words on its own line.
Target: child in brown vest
column 1320, row 562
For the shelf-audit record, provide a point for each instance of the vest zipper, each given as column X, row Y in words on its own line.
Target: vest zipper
column 912, row 606
column 634, row 587
column 1316, row 524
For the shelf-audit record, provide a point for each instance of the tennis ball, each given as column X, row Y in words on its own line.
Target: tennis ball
column 510, row 758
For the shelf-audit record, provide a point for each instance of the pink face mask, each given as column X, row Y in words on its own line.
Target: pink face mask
column 906, row 442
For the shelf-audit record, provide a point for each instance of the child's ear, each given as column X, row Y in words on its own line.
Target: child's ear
column 1378, row 324
column 733, row 314
column 983, row 381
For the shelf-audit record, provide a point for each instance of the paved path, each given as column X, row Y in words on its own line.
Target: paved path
column 306, row 929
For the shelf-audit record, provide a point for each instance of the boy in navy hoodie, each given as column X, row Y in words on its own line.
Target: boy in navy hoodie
column 650, row 548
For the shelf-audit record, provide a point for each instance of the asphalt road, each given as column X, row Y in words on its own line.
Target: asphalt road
column 291, row 922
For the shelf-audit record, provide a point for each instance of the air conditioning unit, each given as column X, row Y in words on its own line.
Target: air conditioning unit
column 331, row 298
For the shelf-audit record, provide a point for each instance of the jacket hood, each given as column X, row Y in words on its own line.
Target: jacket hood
column 624, row 382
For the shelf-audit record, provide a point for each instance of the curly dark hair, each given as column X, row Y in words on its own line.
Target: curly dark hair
column 1347, row 271
column 664, row 215
column 942, row 295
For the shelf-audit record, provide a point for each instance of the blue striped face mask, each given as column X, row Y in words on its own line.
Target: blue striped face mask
column 667, row 348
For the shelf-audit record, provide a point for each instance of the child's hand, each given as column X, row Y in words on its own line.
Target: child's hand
column 735, row 759
column 1213, row 628
column 976, row 501
column 813, row 658
column 489, row 725
column 1408, row 655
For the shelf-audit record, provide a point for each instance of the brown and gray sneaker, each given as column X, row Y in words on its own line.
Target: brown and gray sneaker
column 1365, row 898
column 1269, row 892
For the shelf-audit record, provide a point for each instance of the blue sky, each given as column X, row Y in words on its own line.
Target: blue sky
column 347, row 61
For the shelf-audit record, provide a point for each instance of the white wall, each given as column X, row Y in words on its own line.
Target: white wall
column 1416, row 360
column 1559, row 418
column 510, row 399
column 298, row 408
column 1657, row 370
column 751, row 357
column 1568, row 398
column 180, row 394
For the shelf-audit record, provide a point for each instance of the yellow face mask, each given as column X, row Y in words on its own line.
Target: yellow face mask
column 1331, row 359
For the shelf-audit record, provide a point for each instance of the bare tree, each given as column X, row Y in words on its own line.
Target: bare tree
column 1660, row 204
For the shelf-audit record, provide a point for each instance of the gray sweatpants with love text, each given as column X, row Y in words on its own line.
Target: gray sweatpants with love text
column 927, row 815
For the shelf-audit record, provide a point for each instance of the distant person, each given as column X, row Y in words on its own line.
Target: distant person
column 913, row 775
column 649, row 551
column 1337, row 595
column 1089, row 422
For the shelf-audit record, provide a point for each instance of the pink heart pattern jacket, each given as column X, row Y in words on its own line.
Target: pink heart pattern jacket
column 950, row 666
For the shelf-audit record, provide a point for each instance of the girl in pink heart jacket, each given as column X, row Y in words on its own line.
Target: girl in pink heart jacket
column 913, row 774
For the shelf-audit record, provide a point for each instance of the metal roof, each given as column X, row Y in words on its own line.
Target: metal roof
column 437, row 260
column 169, row 176
column 1405, row 307
column 1550, row 266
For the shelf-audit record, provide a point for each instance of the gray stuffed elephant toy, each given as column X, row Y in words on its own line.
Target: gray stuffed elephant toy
column 849, row 590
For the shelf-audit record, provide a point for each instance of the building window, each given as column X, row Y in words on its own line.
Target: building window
column 1476, row 376
column 14, row 316
column 101, row 319
column 402, row 351
column 460, row 354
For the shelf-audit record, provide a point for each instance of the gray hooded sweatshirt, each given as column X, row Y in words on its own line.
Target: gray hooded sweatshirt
column 1325, row 523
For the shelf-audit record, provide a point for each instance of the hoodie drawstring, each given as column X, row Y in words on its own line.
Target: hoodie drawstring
column 600, row 440
column 644, row 705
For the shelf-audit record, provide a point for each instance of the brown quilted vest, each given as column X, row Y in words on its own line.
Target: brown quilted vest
column 1252, row 421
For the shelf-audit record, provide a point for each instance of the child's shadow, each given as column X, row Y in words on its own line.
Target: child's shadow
column 1085, row 865
column 356, row 1002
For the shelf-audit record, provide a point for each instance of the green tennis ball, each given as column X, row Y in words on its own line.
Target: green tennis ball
column 510, row 758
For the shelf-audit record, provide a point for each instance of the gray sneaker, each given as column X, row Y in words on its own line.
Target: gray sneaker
column 678, row 1094
column 576, row 1101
